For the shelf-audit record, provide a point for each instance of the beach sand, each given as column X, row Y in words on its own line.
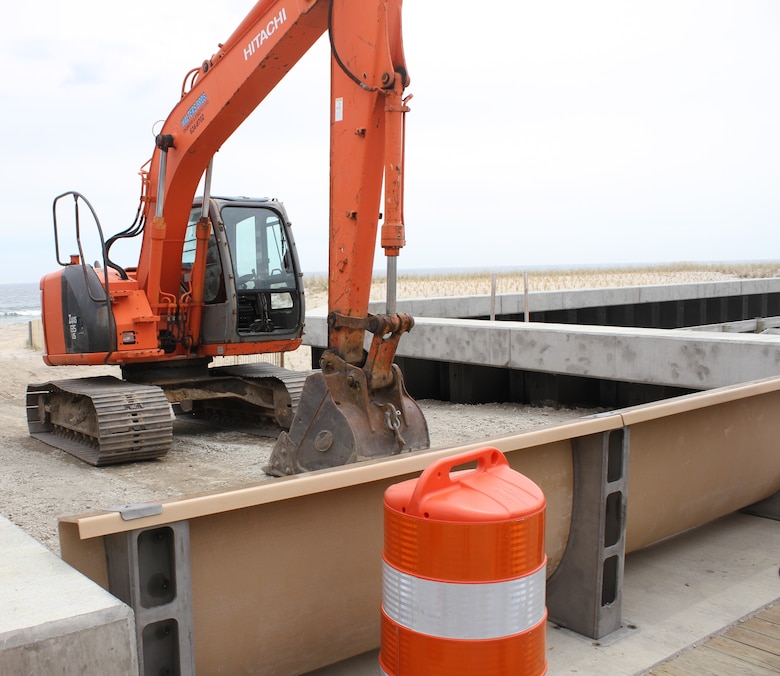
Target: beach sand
column 38, row 484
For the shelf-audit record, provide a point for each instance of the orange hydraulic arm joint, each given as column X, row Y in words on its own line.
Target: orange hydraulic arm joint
column 357, row 406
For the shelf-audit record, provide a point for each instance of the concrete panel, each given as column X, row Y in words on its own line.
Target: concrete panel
column 547, row 301
column 54, row 620
column 685, row 359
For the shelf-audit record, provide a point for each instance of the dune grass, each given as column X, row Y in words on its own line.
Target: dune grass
column 481, row 281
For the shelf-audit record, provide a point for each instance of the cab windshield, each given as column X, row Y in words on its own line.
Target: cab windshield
column 258, row 248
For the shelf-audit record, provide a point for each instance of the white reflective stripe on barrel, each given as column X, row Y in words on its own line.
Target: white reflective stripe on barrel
column 475, row 610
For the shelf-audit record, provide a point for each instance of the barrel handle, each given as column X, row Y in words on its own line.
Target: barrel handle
column 437, row 476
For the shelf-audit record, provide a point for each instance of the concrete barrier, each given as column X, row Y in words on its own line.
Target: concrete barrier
column 53, row 619
column 685, row 359
column 759, row 295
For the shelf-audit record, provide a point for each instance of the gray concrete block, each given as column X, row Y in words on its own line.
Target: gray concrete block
column 53, row 619
column 686, row 359
column 574, row 299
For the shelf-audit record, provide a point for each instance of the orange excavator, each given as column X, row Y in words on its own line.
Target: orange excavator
column 219, row 276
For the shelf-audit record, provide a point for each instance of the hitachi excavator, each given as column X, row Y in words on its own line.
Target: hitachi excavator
column 220, row 276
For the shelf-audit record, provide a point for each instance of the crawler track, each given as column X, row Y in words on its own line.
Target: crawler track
column 284, row 386
column 106, row 421
column 102, row 421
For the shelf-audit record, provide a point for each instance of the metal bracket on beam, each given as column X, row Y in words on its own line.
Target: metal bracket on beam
column 137, row 510
column 149, row 569
column 585, row 592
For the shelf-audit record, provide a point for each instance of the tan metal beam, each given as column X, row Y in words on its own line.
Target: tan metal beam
column 286, row 573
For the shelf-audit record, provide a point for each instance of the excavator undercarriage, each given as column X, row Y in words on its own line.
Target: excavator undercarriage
column 105, row 421
column 327, row 418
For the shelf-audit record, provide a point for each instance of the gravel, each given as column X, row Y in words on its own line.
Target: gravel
column 39, row 484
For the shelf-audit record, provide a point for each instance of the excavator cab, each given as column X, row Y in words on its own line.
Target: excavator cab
column 252, row 288
column 251, row 302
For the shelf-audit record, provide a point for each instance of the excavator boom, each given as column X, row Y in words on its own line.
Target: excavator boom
column 216, row 99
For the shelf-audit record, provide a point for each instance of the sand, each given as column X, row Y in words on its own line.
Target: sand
column 38, row 484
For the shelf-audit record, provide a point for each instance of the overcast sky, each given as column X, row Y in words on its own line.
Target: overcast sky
column 546, row 133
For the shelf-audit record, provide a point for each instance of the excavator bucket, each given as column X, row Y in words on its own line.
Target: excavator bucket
column 341, row 420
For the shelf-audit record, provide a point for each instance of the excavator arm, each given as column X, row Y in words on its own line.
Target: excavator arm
column 357, row 407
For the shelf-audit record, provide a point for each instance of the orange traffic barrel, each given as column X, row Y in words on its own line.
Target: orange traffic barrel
column 464, row 571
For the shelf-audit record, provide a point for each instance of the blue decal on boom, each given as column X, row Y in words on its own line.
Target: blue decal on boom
column 194, row 108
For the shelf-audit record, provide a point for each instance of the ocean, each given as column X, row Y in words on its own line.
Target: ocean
column 19, row 303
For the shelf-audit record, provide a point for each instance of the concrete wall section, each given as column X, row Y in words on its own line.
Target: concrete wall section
column 552, row 301
column 681, row 359
column 53, row 619
column 686, row 359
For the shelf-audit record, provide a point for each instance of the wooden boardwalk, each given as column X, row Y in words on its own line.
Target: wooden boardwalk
column 748, row 648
